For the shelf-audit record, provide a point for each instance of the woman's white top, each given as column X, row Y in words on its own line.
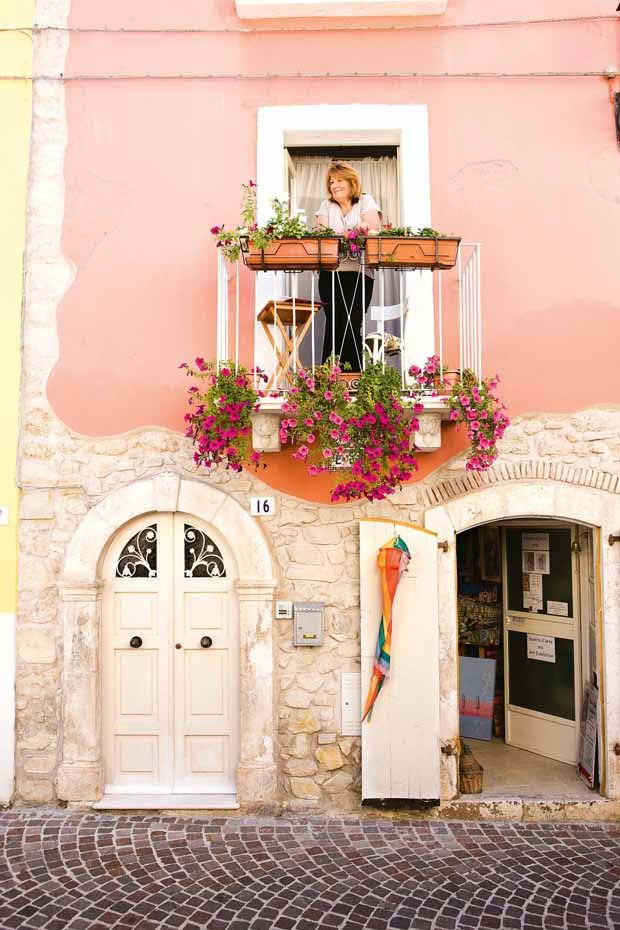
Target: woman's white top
column 339, row 222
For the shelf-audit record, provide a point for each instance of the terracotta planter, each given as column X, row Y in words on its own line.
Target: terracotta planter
column 450, row 377
column 351, row 379
column 411, row 252
column 306, row 254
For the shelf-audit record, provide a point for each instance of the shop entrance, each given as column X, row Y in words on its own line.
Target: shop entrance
column 527, row 658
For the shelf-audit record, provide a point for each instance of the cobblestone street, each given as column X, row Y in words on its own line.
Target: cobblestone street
column 61, row 869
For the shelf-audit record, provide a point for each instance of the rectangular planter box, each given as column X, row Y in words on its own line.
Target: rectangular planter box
column 293, row 255
column 411, row 252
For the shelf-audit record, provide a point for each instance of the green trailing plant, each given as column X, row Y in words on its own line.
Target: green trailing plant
column 370, row 435
column 219, row 420
column 282, row 225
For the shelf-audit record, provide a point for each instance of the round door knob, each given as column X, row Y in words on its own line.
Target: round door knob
column 135, row 642
column 178, row 646
column 206, row 641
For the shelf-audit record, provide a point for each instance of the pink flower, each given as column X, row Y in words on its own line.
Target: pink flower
column 303, row 451
column 327, row 453
column 225, row 372
column 200, row 364
column 310, row 384
column 313, row 470
column 215, row 230
column 328, row 395
column 308, row 421
column 334, row 434
column 292, row 424
column 251, row 183
column 454, row 415
column 464, row 400
column 317, row 415
column 310, row 438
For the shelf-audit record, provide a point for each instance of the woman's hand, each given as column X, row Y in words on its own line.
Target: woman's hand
column 372, row 220
column 320, row 220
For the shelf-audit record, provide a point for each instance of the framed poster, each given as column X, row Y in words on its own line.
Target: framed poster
column 490, row 554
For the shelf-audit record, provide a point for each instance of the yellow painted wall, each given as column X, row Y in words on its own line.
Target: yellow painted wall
column 15, row 119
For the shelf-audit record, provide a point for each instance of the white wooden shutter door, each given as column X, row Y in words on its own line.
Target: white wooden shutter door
column 401, row 744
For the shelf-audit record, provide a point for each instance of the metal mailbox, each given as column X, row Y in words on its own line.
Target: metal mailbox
column 308, row 624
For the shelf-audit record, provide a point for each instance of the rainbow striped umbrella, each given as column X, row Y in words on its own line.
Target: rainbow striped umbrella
column 392, row 560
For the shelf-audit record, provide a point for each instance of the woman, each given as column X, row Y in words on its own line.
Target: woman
column 345, row 208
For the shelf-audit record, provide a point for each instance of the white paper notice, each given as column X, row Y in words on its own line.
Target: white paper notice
column 558, row 608
column 536, row 562
column 541, row 647
column 351, row 703
column 532, row 591
column 535, row 541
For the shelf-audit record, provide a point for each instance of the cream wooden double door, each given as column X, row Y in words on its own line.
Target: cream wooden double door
column 170, row 665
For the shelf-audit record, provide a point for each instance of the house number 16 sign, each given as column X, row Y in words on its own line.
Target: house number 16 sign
column 262, row 506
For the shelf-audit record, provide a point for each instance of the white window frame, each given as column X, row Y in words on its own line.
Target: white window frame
column 361, row 124
column 271, row 9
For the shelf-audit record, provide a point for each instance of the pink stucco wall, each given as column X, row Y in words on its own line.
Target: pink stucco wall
column 528, row 166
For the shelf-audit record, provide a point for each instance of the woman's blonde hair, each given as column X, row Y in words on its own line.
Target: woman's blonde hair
column 346, row 172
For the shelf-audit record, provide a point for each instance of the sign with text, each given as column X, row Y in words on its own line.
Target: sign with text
column 541, row 647
column 262, row 506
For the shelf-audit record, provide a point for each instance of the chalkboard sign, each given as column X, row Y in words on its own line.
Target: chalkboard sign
column 548, row 687
column 557, row 586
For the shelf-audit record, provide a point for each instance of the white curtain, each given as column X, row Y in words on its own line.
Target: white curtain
column 379, row 178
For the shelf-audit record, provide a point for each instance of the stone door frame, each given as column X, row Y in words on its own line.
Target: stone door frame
column 599, row 510
column 80, row 774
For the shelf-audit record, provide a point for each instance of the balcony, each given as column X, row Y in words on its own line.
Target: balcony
column 413, row 314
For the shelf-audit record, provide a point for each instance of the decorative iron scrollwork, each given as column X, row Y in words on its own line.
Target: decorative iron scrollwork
column 139, row 556
column 203, row 559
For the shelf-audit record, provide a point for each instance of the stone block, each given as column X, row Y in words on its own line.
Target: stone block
column 301, row 746
column 329, row 757
column 306, row 724
column 300, row 767
column 326, row 738
column 295, row 697
column 36, row 645
column 266, row 431
column 322, row 535
column 40, row 765
column 309, row 681
column 305, row 554
column 339, row 781
column 305, row 788
column 80, row 782
column 36, row 505
column 428, row 437
column 30, row 789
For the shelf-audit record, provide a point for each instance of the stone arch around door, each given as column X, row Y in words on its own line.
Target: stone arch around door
column 80, row 774
column 546, row 499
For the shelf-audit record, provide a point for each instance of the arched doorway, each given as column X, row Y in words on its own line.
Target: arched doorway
column 596, row 509
column 90, row 555
column 170, row 665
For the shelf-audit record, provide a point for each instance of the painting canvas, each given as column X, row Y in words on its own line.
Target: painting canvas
column 476, row 691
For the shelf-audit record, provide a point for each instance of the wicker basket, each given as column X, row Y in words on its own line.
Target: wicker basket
column 470, row 772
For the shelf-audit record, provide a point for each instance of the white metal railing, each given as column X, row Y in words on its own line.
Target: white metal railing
column 280, row 358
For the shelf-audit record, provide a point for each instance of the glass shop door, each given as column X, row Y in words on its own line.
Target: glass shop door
column 542, row 642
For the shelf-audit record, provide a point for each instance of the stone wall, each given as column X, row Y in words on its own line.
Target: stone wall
column 315, row 549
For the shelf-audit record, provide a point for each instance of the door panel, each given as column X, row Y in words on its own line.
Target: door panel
column 136, row 602
column 401, row 744
column 206, row 677
column 542, row 693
